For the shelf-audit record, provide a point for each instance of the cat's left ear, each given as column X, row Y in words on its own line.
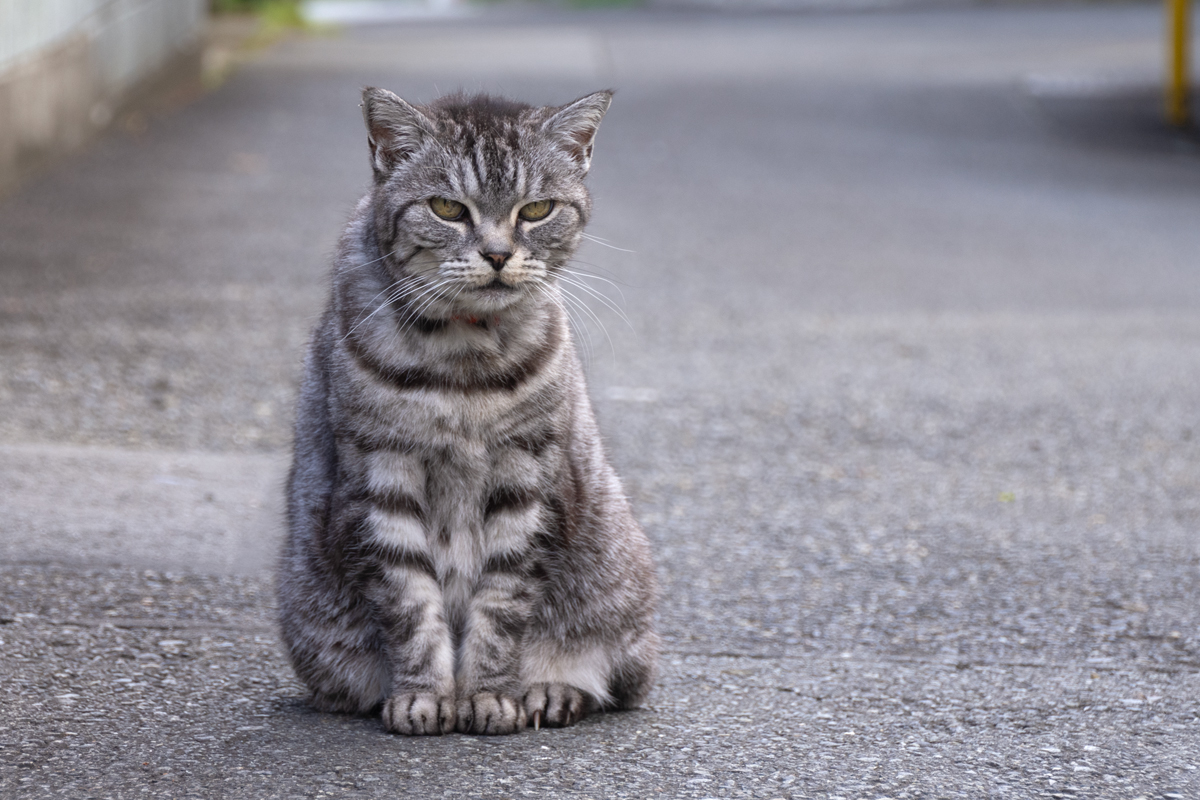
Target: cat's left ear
column 574, row 125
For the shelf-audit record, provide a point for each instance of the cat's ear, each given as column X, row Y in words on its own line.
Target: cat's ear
column 395, row 129
column 574, row 125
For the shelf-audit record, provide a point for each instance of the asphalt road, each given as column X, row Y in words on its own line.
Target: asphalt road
column 906, row 401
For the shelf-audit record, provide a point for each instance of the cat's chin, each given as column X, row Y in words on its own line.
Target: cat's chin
column 495, row 297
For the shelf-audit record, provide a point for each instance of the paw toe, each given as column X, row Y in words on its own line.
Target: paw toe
column 414, row 714
column 488, row 713
column 555, row 705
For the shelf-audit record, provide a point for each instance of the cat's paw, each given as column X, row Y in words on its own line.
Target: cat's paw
column 554, row 705
column 419, row 714
column 490, row 713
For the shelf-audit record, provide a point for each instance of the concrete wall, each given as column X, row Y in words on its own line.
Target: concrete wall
column 65, row 65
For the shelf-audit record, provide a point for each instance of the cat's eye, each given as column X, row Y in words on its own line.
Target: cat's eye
column 538, row 209
column 447, row 209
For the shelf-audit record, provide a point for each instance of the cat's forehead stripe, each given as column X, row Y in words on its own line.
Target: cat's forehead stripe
column 464, row 181
column 478, row 162
column 488, row 171
column 520, row 176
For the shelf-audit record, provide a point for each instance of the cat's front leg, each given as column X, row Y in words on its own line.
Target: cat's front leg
column 408, row 602
column 489, row 675
column 489, row 687
column 422, row 699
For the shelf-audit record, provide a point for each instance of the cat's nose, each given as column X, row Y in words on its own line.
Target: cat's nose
column 498, row 259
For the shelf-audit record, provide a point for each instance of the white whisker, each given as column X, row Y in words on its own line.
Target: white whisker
column 605, row 300
column 365, row 263
column 394, row 292
column 426, row 298
column 588, row 311
column 603, row 243
column 582, row 274
column 581, row 334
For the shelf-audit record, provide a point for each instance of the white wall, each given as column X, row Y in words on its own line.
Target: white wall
column 132, row 35
column 63, row 63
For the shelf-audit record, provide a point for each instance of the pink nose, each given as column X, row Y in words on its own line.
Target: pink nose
column 498, row 259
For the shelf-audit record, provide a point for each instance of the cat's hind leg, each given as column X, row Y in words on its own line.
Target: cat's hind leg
column 556, row 705
column 633, row 670
column 564, row 685
column 345, row 670
column 335, row 645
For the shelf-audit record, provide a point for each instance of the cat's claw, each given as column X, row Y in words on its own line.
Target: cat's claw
column 556, row 704
column 415, row 714
column 489, row 713
column 537, row 720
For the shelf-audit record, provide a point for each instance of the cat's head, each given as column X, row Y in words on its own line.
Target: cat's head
column 480, row 201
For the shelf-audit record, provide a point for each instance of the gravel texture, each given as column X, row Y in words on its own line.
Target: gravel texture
column 131, row 682
column 906, row 402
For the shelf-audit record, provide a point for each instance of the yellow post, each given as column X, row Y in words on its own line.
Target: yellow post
column 1178, row 41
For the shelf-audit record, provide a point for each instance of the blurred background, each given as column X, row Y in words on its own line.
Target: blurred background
column 892, row 331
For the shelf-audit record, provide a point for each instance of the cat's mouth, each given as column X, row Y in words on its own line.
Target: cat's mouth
column 496, row 286
column 494, row 295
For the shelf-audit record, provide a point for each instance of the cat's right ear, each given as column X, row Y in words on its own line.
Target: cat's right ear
column 396, row 130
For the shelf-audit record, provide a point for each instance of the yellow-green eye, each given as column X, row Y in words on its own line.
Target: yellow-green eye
column 447, row 209
column 538, row 209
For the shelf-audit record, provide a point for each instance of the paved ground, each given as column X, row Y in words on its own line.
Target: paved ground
column 907, row 404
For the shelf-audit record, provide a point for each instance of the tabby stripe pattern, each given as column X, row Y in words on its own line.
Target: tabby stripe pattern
column 460, row 554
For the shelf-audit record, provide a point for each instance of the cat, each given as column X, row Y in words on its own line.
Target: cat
column 460, row 555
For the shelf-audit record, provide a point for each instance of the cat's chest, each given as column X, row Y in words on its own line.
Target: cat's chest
column 463, row 467
column 445, row 418
column 474, row 501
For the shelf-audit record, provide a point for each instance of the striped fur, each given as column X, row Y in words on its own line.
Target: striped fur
column 460, row 555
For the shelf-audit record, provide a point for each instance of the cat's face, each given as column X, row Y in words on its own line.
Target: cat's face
column 481, row 202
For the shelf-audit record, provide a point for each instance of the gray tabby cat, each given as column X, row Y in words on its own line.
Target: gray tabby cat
column 459, row 550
